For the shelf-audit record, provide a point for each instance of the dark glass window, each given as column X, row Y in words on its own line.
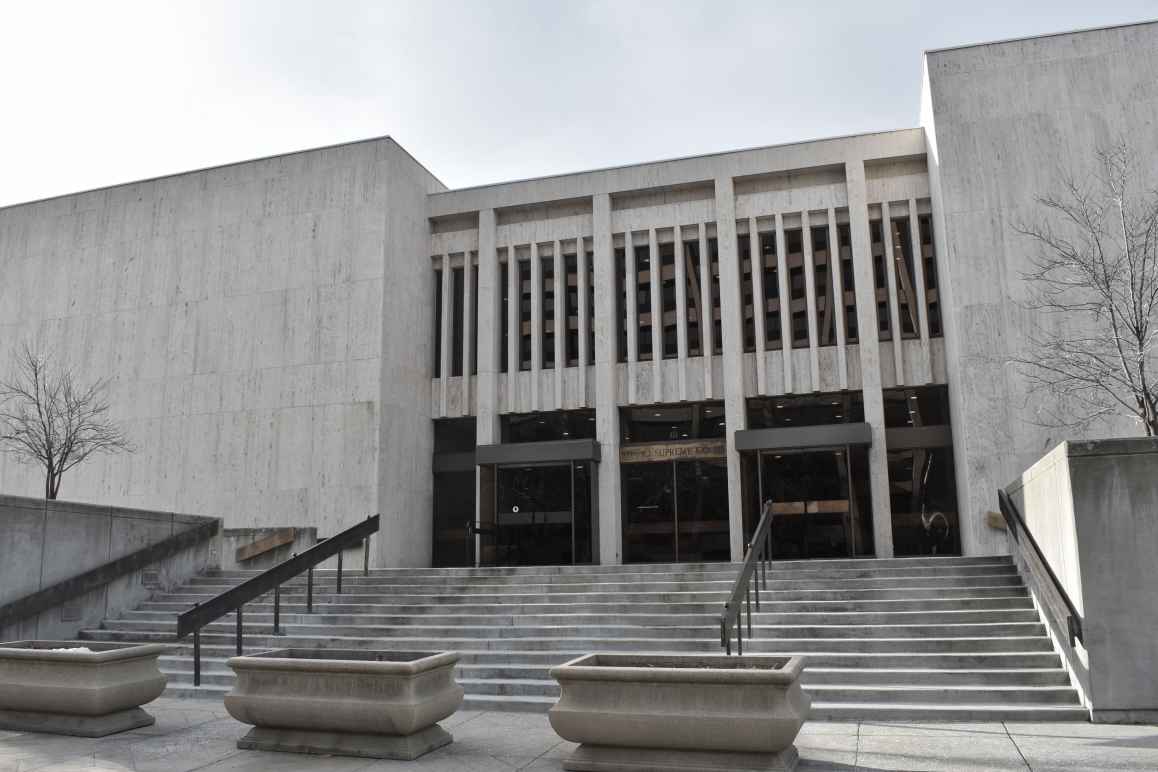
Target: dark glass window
column 454, row 435
column 771, row 310
column 504, row 322
column 544, row 427
column 437, row 322
column 906, row 281
column 571, row 308
column 932, row 293
column 805, row 410
column 473, row 311
column 880, row 280
column 848, row 282
column 525, row 314
column 747, row 292
column 923, row 498
column 643, row 302
column 797, row 287
column 661, row 423
column 669, row 342
column 826, row 309
column 547, row 333
column 714, row 312
column 456, row 319
column 621, row 303
column 590, row 306
column 919, row 406
column 695, row 296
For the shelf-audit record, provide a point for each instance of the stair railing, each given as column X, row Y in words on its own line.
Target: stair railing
column 235, row 598
column 1050, row 592
column 753, row 572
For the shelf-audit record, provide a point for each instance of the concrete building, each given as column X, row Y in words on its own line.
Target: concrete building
column 618, row 365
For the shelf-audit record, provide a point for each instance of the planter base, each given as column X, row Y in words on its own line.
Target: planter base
column 370, row 746
column 603, row 758
column 77, row 726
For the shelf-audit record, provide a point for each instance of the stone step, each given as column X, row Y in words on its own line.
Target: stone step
column 723, row 585
column 1020, row 600
column 264, row 616
column 180, row 659
column 772, row 573
column 1003, row 589
column 894, row 711
column 647, row 643
column 670, row 568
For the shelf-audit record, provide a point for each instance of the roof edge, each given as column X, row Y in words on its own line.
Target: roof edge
column 1060, row 33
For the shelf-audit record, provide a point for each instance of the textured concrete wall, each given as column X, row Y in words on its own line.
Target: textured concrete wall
column 238, row 312
column 1001, row 121
column 1093, row 508
column 45, row 542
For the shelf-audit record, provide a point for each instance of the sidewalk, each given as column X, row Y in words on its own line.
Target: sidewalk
column 199, row 735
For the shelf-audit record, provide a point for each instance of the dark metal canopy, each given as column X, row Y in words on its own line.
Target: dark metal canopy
column 538, row 452
column 804, row 437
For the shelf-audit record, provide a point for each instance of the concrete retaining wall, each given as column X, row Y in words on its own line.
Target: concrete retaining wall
column 1093, row 509
column 45, row 542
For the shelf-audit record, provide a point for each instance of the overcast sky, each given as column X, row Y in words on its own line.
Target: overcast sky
column 97, row 93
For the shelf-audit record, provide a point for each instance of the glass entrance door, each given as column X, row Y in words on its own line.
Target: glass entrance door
column 543, row 514
column 819, row 501
column 675, row 511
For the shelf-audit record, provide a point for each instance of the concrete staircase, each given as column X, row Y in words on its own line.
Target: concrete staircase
column 914, row 638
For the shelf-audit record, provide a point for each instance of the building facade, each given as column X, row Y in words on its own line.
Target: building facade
column 621, row 365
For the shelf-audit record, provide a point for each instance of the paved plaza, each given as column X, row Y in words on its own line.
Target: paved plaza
column 199, row 735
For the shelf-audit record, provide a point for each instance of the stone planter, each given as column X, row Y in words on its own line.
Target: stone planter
column 87, row 694
column 373, row 704
column 709, row 712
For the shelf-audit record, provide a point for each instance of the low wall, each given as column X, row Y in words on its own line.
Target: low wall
column 1093, row 509
column 45, row 542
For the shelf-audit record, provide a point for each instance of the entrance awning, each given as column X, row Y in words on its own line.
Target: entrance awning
column 804, row 437
column 538, row 452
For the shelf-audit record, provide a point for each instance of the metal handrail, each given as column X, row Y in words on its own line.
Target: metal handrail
column 235, row 598
column 759, row 555
column 1016, row 526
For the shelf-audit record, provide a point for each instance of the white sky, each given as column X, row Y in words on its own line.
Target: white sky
column 100, row 92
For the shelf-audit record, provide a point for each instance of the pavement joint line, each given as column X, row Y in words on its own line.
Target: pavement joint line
column 1012, row 739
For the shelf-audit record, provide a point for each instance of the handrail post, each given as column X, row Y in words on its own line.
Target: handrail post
column 277, row 610
column 340, row 571
column 197, row 657
column 748, row 596
column 310, row 590
column 239, row 629
column 366, row 556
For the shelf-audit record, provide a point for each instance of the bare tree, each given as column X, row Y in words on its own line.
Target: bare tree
column 1097, row 267
column 48, row 418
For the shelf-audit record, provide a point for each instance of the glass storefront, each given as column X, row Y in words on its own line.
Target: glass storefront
column 543, row 514
column 674, row 481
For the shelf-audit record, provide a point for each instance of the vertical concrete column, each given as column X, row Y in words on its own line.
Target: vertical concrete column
column 919, row 274
column 731, row 326
column 681, row 311
column 561, row 323
column 785, row 303
column 810, row 300
column 631, row 300
column 894, row 305
column 489, row 329
column 707, row 313
column 514, row 313
column 756, row 265
column 606, row 409
column 536, row 325
column 444, row 335
column 489, row 351
column 584, row 290
column 834, row 268
column 870, row 356
column 467, row 327
column 655, row 305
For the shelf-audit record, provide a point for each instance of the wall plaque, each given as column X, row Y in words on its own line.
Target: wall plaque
column 684, row 450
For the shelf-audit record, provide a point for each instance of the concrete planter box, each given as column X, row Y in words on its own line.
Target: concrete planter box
column 373, row 704
column 710, row 712
column 87, row 694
